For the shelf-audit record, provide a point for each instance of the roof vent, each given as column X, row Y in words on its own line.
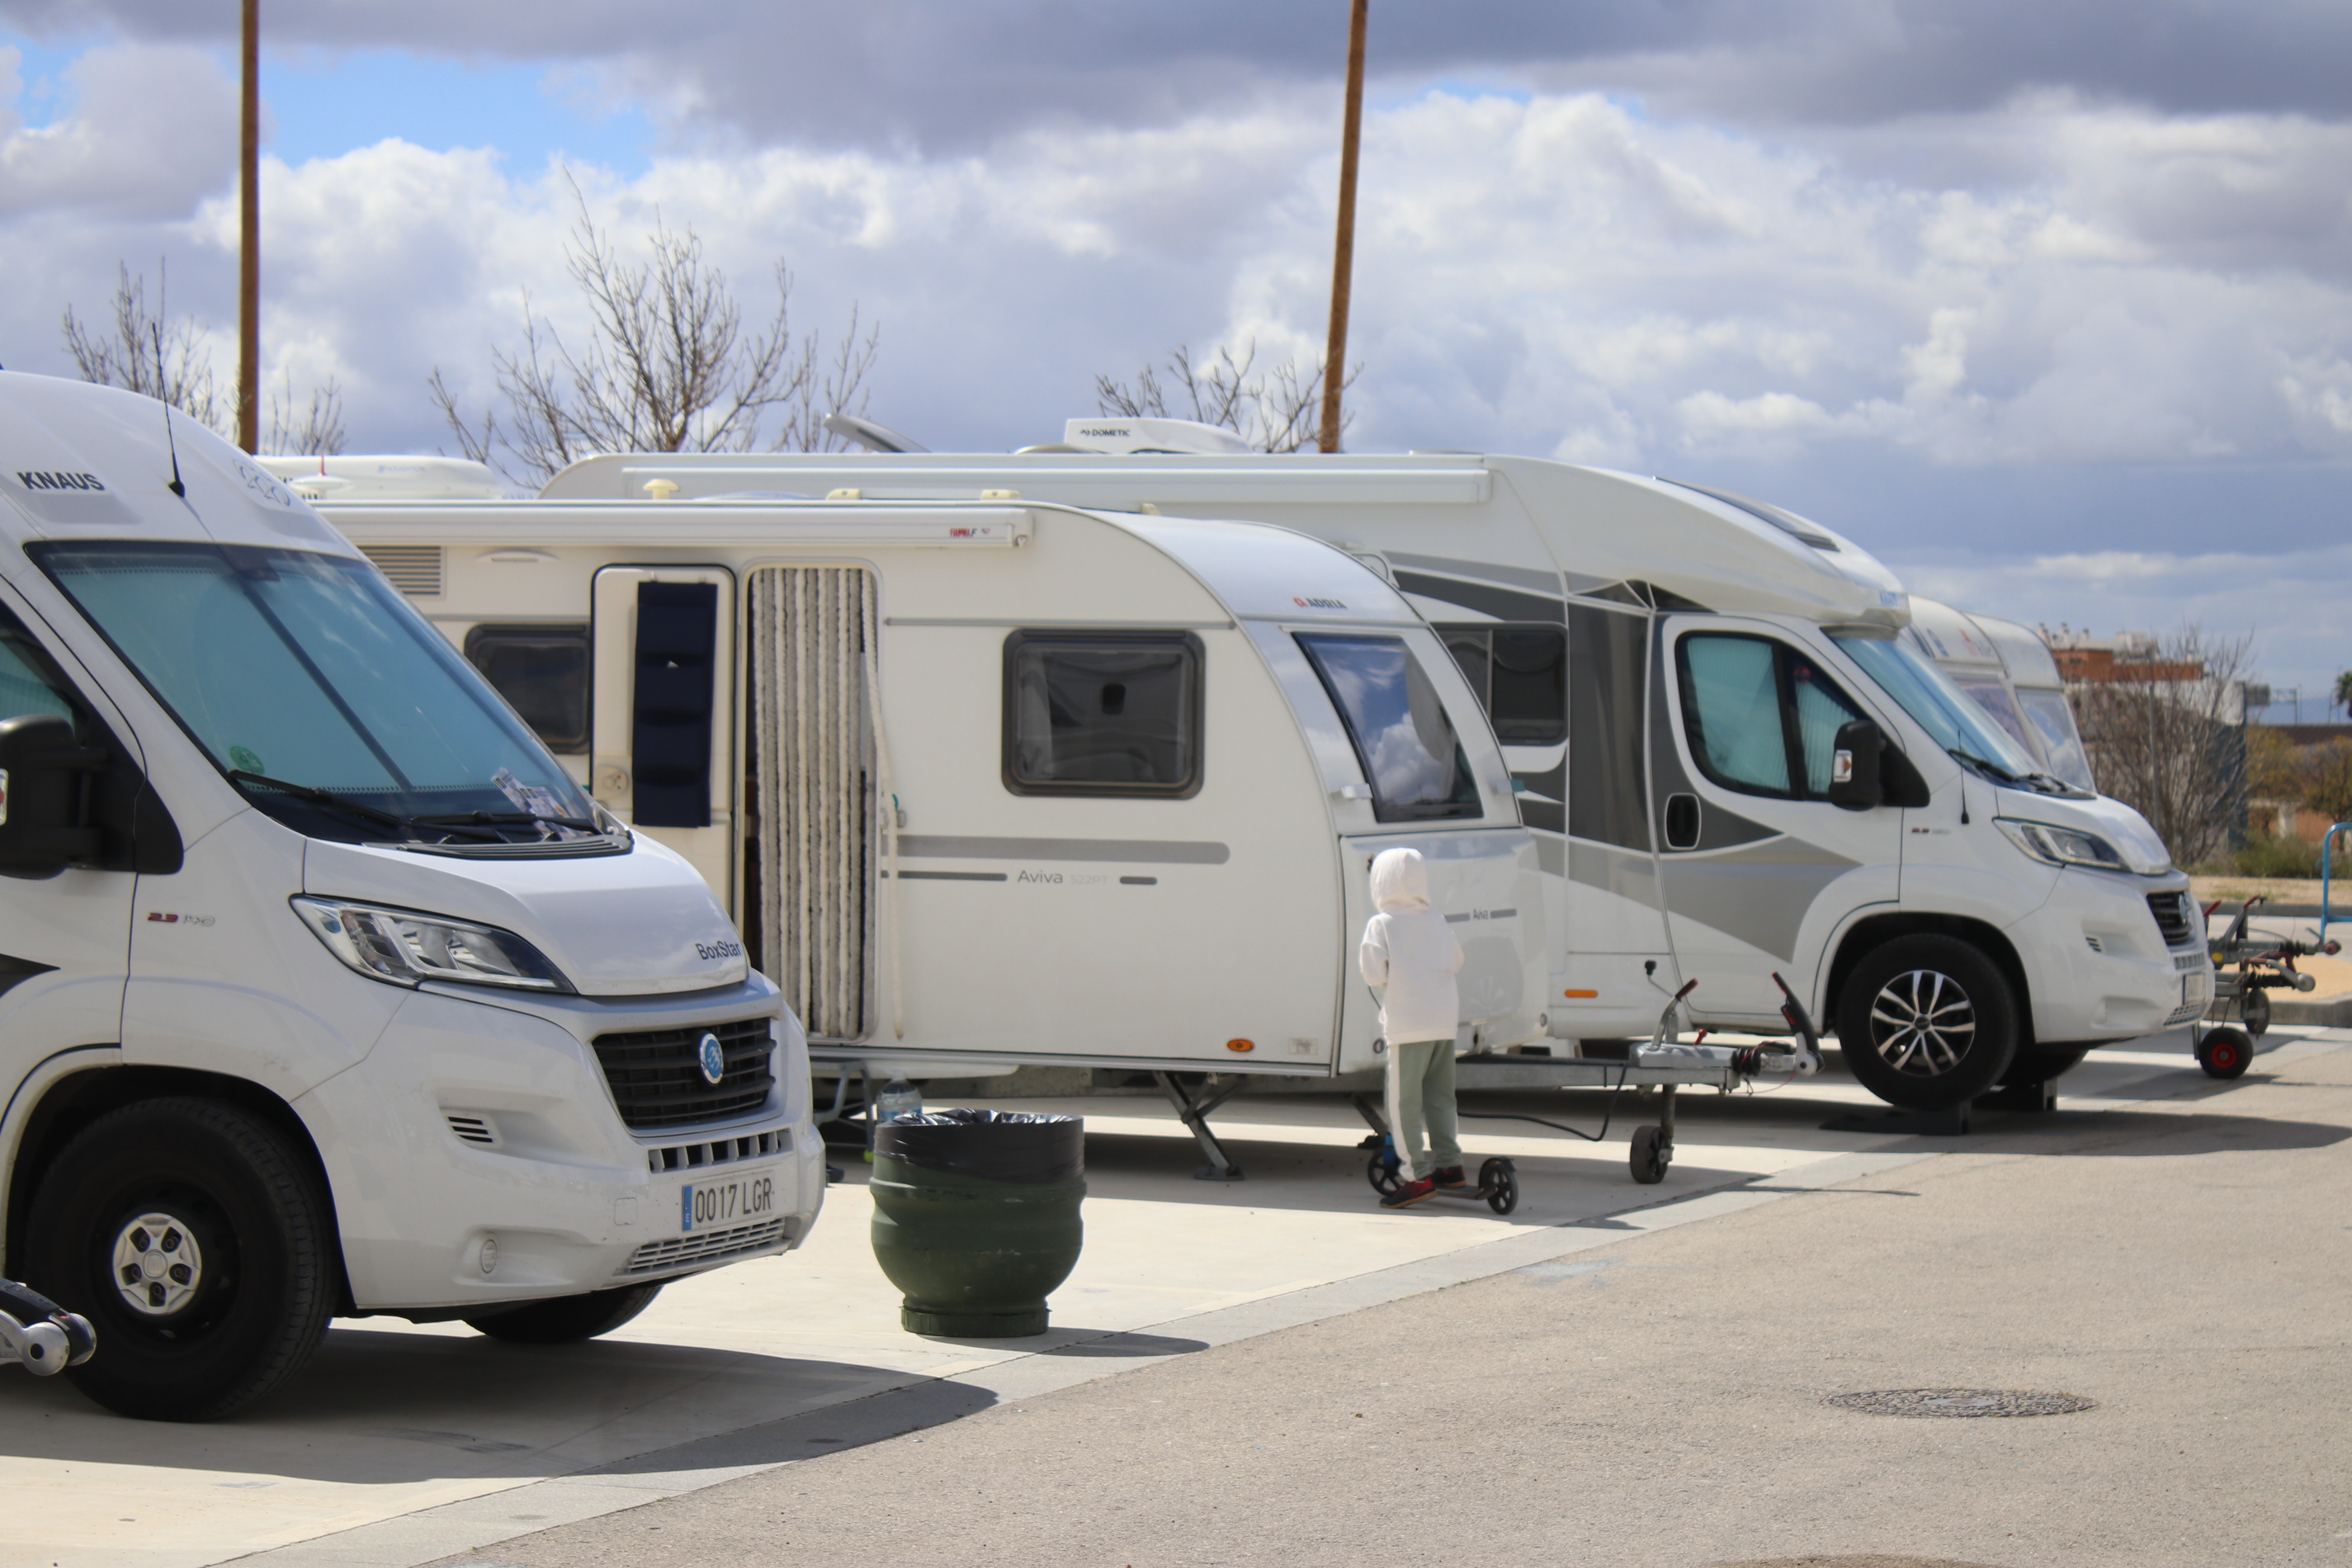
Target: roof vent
column 338, row 478
column 1118, row 436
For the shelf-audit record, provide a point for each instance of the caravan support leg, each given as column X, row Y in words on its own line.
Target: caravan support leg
column 1194, row 1113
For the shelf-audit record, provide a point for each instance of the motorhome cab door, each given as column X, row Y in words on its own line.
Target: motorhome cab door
column 1757, row 866
column 64, row 939
column 662, row 752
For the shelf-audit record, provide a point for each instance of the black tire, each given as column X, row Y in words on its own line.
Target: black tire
column 1381, row 1172
column 2042, row 1064
column 2225, row 1053
column 566, row 1320
column 223, row 1233
column 1500, row 1180
column 1927, row 1022
column 2254, row 1013
column 1650, row 1155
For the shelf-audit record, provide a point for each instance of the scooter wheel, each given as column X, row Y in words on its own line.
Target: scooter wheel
column 1381, row 1172
column 1500, row 1178
column 1651, row 1156
column 2225, row 1053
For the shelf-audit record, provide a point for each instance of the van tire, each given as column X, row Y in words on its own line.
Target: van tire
column 1961, row 995
column 218, row 1335
column 566, row 1320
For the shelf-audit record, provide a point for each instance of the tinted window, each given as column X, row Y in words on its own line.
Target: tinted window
column 1731, row 708
column 1820, row 708
column 1102, row 713
column 2062, row 743
column 544, row 672
column 1404, row 737
column 26, row 686
column 1520, row 675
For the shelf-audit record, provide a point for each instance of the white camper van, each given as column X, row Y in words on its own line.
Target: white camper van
column 1733, row 764
column 2008, row 671
column 324, row 989
column 993, row 783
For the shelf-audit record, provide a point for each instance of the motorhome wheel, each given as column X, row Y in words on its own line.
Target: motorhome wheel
column 1927, row 1022
column 566, row 1320
column 195, row 1240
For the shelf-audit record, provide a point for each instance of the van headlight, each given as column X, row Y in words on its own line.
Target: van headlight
column 406, row 948
column 2055, row 845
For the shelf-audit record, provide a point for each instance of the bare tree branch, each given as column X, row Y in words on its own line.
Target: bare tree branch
column 148, row 354
column 2166, row 736
column 320, row 430
column 667, row 365
column 1278, row 411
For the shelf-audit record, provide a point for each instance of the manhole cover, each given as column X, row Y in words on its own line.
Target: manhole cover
column 1961, row 1402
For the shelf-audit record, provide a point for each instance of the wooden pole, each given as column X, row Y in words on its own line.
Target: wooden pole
column 1343, row 256
column 249, row 280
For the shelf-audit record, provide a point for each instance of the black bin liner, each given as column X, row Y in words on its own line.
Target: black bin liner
column 997, row 1145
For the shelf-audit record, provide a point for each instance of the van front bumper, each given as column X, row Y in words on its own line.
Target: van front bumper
column 2098, row 965
column 475, row 1155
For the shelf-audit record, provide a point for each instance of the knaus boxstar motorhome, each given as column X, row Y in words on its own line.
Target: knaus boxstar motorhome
column 994, row 782
column 1733, row 764
column 324, row 989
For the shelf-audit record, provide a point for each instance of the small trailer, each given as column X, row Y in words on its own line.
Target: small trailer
column 990, row 783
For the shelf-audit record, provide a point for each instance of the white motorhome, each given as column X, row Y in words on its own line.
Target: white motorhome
column 323, row 990
column 995, row 782
column 2008, row 671
column 1673, row 672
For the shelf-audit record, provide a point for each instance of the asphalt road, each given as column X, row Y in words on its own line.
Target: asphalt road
column 2186, row 1264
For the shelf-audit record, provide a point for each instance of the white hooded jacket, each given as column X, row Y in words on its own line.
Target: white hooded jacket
column 1409, row 955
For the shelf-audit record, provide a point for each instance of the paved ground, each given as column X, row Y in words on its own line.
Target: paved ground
column 1656, row 1397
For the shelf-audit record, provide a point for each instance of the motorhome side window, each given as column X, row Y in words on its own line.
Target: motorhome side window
column 1403, row 738
column 1760, row 714
column 543, row 671
column 1102, row 713
column 26, row 685
column 1520, row 674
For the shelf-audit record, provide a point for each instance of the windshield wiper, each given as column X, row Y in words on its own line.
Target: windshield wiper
column 1994, row 769
column 328, row 797
column 487, row 816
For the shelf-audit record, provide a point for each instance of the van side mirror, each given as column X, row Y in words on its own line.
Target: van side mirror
column 1853, row 766
column 43, row 796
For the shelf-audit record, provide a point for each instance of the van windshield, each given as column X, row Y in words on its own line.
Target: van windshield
column 333, row 705
column 1940, row 707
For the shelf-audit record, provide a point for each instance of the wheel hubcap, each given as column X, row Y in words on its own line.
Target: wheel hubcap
column 157, row 1264
column 1922, row 1023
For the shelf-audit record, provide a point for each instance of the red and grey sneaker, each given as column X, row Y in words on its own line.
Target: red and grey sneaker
column 1411, row 1192
column 1449, row 1178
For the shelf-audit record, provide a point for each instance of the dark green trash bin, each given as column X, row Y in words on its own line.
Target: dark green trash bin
column 976, row 1217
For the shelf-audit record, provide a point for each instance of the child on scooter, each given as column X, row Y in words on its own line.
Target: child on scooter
column 1409, row 958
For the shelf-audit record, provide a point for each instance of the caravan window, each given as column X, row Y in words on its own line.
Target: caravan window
column 543, row 672
column 1760, row 714
column 1520, row 674
column 1403, row 735
column 1106, row 713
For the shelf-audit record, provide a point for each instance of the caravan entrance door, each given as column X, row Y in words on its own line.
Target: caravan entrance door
column 1759, row 868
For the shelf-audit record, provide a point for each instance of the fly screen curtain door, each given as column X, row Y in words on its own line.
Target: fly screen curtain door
column 812, row 764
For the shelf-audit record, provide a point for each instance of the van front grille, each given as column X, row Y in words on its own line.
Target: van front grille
column 703, row 1247
column 657, row 1080
column 2173, row 912
column 721, row 1152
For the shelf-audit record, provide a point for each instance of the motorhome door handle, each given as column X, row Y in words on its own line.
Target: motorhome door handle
column 1682, row 822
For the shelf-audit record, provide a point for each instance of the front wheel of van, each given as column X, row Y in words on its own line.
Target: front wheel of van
column 1927, row 1022
column 197, row 1242
column 566, row 1319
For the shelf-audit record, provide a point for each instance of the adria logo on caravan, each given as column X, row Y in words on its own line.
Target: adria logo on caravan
column 1314, row 604
column 43, row 479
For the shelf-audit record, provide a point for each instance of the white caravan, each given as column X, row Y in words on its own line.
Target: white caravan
column 1673, row 673
column 2011, row 673
column 1131, row 770
column 323, row 990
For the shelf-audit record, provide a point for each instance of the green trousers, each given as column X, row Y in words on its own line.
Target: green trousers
column 1421, row 1093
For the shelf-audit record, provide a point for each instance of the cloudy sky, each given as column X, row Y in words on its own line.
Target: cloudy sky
column 2050, row 305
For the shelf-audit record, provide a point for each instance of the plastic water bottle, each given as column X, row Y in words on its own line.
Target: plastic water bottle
column 899, row 1098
